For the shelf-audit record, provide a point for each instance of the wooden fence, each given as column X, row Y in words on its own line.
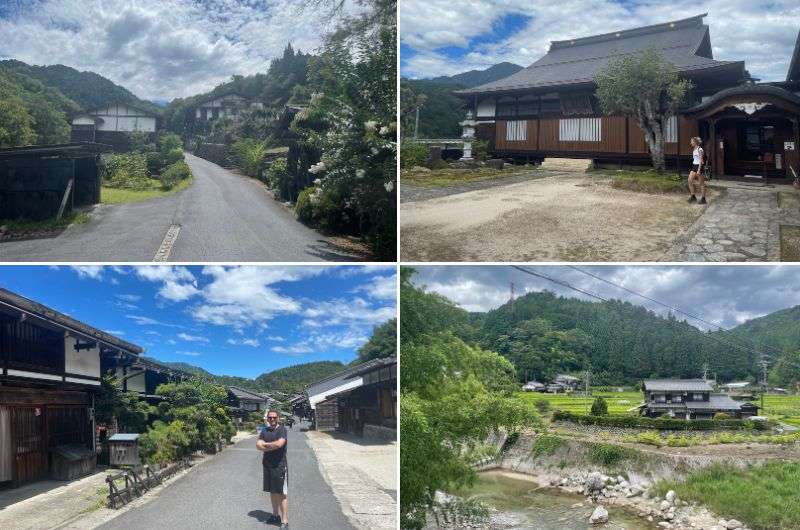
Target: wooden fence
column 127, row 485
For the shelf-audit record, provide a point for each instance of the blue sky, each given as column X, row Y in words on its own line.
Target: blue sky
column 229, row 320
column 162, row 49
column 438, row 38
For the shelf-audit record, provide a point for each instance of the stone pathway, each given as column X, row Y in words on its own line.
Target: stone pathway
column 743, row 224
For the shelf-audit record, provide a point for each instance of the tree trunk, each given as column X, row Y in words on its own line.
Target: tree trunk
column 652, row 126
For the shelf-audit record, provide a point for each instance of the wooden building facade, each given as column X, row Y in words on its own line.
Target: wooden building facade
column 690, row 399
column 51, row 370
column 112, row 125
column 550, row 110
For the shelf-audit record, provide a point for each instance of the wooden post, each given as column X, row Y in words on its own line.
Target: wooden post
column 713, row 136
column 66, row 195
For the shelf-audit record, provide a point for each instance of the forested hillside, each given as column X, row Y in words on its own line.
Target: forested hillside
column 441, row 110
column 88, row 89
column 622, row 343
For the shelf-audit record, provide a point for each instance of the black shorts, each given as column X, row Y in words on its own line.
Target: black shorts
column 696, row 168
column 276, row 479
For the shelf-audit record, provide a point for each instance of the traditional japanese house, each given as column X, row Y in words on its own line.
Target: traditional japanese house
column 533, row 386
column 568, row 381
column 244, row 402
column 141, row 374
column 550, row 110
column 690, row 399
column 51, row 369
column 113, row 125
column 227, row 106
column 361, row 400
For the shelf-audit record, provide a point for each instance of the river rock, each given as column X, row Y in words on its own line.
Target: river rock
column 599, row 516
column 594, row 483
column 733, row 524
column 665, row 505
column 670, row 497
column 664, row 524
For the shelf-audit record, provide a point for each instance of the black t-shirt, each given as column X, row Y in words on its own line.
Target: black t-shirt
column 277, row 457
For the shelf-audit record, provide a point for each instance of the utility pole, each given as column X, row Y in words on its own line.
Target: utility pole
column 511, row 298
column 586, row 376
column 416, row 123
column 705, row 371
column 764, row 364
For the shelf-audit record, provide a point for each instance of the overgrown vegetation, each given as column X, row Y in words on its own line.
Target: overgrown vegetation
column 646, row 181
column 608, row 455
column 762, row 497
column 452, row 395
column 148, row 166
column 546, row 445
column 662, row 424
column 680, row 440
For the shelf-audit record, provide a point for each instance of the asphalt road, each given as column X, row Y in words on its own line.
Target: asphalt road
column 225, row 492
column 222, row 217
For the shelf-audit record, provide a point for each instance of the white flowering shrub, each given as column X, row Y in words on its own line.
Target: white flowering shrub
column 351, row 119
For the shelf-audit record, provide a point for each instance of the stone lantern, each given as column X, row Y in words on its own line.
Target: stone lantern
column 468, row 135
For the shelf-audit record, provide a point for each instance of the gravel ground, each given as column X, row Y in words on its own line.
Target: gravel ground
column 563, row 218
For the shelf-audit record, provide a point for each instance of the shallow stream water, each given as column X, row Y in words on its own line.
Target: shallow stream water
column 524, row 505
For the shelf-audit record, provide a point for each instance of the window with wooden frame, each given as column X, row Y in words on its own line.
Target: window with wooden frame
column 517, row 131
column 506, row 107
column 671, row 130
column 580, row 130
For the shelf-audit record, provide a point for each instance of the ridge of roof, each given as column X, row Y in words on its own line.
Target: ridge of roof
column 794, row 63
column 696, row 20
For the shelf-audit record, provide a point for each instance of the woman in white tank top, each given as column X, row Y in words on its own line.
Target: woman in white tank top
column 696, row 173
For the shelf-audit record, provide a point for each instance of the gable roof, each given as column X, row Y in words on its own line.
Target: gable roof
column 685, row 43
column 241, row 393
column 679, row 385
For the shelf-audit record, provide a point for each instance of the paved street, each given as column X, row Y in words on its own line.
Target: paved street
column 742, row 225
column 225, row 492
column 222, row 217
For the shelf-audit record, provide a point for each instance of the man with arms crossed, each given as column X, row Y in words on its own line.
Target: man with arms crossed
column 272, row 441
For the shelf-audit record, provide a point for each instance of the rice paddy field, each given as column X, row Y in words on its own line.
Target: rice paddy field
column 785, row 408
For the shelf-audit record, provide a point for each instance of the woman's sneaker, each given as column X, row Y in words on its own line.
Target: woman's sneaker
column 692, row 199
column 285, row 526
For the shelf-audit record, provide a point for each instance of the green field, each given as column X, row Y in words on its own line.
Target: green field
column 777, row 406
column 618, row 402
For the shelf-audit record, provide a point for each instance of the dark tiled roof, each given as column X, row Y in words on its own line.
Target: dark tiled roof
column 755, row 90
column 20, row 303
column 794, row 65
column 678, row 385
column 685, row 43
column 241, row 393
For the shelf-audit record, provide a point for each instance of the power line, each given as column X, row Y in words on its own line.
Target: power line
column 587, row 293
column 670, row 307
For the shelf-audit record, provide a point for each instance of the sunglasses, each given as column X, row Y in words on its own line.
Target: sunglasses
column 272, row 418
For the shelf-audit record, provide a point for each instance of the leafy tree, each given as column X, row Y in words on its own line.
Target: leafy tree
column 382, row 343
column 16, row 124
column 786, row 372
column 452, row 396
column 132, row 413
column 645, row 87
column 599, row 407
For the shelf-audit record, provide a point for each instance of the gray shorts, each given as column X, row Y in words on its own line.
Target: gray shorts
column 276, row 479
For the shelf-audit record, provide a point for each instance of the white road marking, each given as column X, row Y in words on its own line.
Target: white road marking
column 166, row 245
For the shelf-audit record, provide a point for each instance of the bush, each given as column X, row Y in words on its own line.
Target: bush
column 599, row 407
column 164, row 443
column 546, row 445
column 155, row 162
column 413, row 154
column 169, row 142
column 248, row 155
column 608, row 454
column 128, row 171
column 722, row 416
column 480, row 150
column 661, row 424
column 279, row 179
column 175, row 173
column 172, row 156
column 542, row 405
column 304, row 209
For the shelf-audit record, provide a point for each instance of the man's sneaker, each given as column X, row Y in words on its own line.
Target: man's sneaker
column 273, row 519
column 703, row 200
column 692, row 199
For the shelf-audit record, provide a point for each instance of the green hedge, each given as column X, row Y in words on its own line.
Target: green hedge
column 662, row 424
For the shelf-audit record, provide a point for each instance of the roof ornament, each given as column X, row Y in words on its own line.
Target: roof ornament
column 750, row 108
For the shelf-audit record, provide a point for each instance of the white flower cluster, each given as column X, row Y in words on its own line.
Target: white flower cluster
column 389, row 186
column 317, row 168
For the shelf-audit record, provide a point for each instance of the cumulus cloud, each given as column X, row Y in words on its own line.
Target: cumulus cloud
column 161, row 49
column 724, row 296
column 95, row 272
column 295, row 349
column 191, row 338
column 444, row 41
column 354, row 311
column 380, row 287
column 255, row 343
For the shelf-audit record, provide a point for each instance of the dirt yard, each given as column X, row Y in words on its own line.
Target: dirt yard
column 562, row 218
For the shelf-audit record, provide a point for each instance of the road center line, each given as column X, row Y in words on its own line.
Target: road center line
column 166, row 245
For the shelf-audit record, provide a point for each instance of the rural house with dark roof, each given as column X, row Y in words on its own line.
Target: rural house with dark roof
column 549, row 109
column 690, row 399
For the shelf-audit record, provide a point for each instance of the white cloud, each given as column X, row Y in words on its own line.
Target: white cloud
column 354, row 311
column 245, row 342
column 129, row 297
column 178, row 283
column 189, row 353
column 115, row 332
column 760, row 32
column 191, row 338
column 143, row 321
column 293, row 350
column 95, row 272
column 162, row 48
column 380, row 287
column 276, row 338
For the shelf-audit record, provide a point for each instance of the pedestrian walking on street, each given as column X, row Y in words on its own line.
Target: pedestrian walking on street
column 272, row 441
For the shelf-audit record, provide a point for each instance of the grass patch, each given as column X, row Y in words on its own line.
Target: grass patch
column 546, row 445
column 110, row 195
column 439, row 178
column 764, row 498
column 22, row 227
column 608, row 455
column 790, row 243
column 618, row 402
column 647, row 181
column 789, row 200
